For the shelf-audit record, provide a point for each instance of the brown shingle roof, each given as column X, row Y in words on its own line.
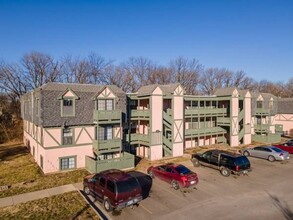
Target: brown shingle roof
column 166, row 89
column 225, row 91
column 285, row 106
column 80, row 87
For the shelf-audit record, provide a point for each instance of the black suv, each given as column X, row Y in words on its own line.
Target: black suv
column 224, row 161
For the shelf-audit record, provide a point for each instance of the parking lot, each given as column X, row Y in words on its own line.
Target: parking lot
column 266, row 193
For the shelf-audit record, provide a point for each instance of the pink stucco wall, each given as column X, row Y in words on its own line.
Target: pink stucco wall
column 157, row 113
column 51, row 158
column 156, row 152
column 286, row 120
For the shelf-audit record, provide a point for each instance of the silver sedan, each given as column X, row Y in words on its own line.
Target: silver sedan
column 270, row 153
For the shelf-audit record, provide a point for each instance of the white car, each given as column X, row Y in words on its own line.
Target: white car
column 270, row 153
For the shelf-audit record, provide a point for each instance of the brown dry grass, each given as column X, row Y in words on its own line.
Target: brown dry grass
column 66, row 206
column 19, row 171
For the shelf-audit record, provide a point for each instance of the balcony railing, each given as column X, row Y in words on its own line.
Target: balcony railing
column 138, row 138
column 140, row 113
column 262, row 111
column 125, row 161
column 206, row 111
column 107, row 146
column 223, row 121
column 205, row 131
column 264, row 128
column 112, row 115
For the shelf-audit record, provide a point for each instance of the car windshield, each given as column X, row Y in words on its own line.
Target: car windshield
column 242, row 160
column 277, row 149
column 127, row 185
column 182, row 170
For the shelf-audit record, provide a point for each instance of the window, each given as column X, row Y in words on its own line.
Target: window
column 41, row 161
column 105, row 104
column 271, row 105
column 67, row 136
column 37, row 107
column 67, row 163
column 68, row 107
column 34, row 151
column 102, row 182
column 259, row 104
column 105, row 133
column 110, row 186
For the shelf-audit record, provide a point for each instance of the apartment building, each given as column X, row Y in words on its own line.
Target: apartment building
column 68, row 126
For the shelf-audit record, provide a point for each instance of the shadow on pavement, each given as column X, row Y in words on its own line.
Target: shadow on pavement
column 283, row 207
column 145, row 182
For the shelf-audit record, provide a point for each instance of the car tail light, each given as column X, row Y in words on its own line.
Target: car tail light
column 237, row 168
column 281, row 154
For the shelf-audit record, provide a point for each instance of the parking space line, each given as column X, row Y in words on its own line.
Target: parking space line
column 172, row 193
column 145, row 208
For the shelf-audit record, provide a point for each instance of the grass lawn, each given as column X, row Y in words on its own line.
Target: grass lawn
column 19, row 171
column 66, row 206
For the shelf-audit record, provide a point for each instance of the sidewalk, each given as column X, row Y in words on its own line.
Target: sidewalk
column 13, row 200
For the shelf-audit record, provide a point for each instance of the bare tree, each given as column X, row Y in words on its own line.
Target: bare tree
column 160, row 75
column 12, row 80
column 139, row 68
column 39, row 69
column 99, row 68
column 212, row 79
column 76, row 70
column 186, row 72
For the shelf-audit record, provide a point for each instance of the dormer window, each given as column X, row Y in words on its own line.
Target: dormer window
column 259, row 104
column 105, row 104
column 68, row 107
column 68, row 101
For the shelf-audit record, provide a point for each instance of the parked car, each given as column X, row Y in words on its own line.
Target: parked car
column 224, row 161
column 176, row 174
column 270, row 153
column 286, row 147
column 115, row 188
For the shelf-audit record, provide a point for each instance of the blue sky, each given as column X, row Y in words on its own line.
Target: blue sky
column 251, row 35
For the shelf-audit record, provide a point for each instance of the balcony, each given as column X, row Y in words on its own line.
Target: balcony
column 106, row 146
column 140, row 114
column 264, row 128
column 206, row 111
column 125, row 161
column 138, row 138
column 262, row 111
column 205, row 131
column 223, row 121
column 113, row 116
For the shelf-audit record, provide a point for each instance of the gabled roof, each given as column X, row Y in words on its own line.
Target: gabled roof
column 170, row 88
column 149, row 89
column 146, row 90
column 243, row 92
column 225, row 91
column 265, row 96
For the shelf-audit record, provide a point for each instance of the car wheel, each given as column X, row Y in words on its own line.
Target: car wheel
column 225, row 172
column 107, row 205
column 151, row 174
column 271, row 158
column 175, row 185
column 195, row 162
column 86, row 190
column 246, row 153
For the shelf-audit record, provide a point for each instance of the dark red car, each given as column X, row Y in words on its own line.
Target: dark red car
column 115, row 188
column 286, row 147
column 177, row 175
